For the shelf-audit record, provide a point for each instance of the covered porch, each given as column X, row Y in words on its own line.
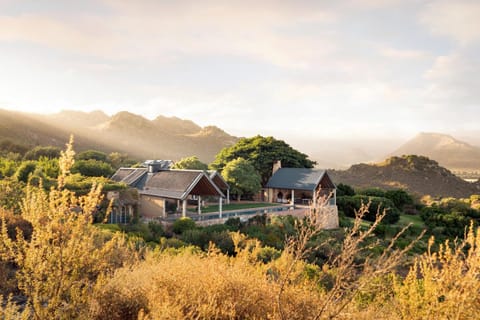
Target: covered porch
column 155, row 199
column 301, row 186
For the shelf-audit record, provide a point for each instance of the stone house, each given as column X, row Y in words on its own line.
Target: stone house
column 163, row 190
column 303, row 186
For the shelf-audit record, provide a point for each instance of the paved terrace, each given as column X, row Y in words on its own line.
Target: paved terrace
column 217, row 218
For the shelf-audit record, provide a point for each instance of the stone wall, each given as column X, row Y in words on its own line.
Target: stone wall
column 329, row 217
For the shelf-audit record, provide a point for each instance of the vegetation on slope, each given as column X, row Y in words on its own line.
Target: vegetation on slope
column 120, row 133
column 62, row 266
column 415, row 174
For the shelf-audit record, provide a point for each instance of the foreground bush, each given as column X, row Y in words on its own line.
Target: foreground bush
column 443, row 284
column 57, row 266
column 201, row 286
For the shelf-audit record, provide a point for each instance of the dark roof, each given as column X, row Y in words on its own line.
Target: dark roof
column 219, row 181
column 172, row 184
column 130, row 176
column 298, row 179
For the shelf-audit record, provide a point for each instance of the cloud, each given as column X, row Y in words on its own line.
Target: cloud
column 307, row 67
column 458, row 20
column 165, row 31
column 55, row 33
column 453, row 79
column 404, row 53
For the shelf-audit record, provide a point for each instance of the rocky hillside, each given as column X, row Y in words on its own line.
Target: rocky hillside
column 28, row 131
column 161, row 138
column 416, row 174
column 449, row 152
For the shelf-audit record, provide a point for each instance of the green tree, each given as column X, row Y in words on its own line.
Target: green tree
column 242, row 177
column 92, row 154
column 351, row 204
column 8, row 167
column 8, row 146
column 344, row 190
column 49, row 166
column 39, row 151
column 372, row 192
column 262, row 152
column 11, row 194
column 399, row 197
column 25, row 170
column 192, row 163
column 92, row 168
column 117, row 160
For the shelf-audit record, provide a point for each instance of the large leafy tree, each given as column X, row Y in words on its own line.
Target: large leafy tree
column 192, row 163
column 262, row 152
column 92, row 168
column 242, row 177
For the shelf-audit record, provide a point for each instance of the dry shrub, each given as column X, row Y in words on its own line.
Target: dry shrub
column 57, row 268
column 14, row 222
column 8, row 283
column 443, row 284
column 208, row 286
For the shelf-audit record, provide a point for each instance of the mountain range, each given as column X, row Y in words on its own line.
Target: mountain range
column 449, row 152
column 125, row 132
column 174, row 138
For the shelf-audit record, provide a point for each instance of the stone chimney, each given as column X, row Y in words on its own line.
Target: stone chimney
column 276, row 165
column 153, row 167
column 157, row 165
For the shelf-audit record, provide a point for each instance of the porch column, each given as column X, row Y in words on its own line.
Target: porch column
column 228, row 196
column 199, row 205
column 220, row 202
column 164, row 208
column 293, row 197
column 314, row 198
column 178, row 205
column 184, row 208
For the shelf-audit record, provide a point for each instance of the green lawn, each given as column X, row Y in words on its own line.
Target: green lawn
column 405, row 219
column 235, row 206
column 416, row 221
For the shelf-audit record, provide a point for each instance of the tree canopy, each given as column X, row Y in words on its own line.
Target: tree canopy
column 262, row 152
column 92, row 168
column 192, row 163
column 41, row 151
column 92, row 154
column 242, row 177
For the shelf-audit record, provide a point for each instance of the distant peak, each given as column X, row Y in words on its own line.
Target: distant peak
column 213, row 130
column 435, row 135
column 128, row 116
column 77, row 112
column 98, row 113
column 176, row 125
column 79, row 118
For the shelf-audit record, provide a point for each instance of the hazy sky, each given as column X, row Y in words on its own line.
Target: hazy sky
column 316, row 68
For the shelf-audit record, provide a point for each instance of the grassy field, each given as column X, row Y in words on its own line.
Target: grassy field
column 416, row 221
column 235, row 206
